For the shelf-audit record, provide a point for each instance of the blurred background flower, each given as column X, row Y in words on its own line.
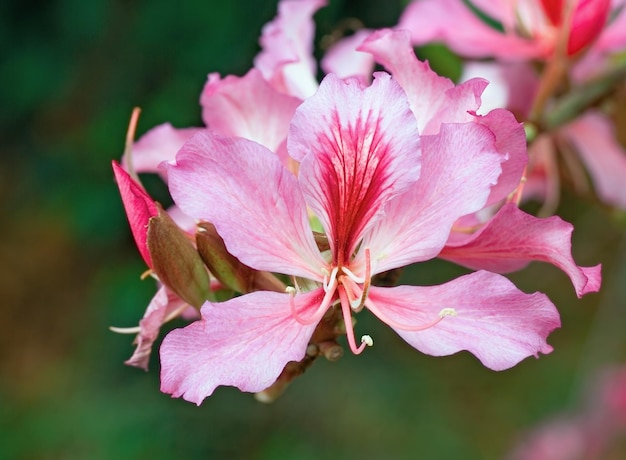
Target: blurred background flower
column 71, row 73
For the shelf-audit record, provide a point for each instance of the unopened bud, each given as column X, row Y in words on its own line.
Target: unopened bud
column 227, row 268
column 176, row 261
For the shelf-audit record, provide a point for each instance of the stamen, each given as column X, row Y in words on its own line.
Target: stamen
column 357, row 304
column 347, row 319
column 448, row 311
column 321, row 310
column 405, row 327
column 367, row 340
column 333, row 278
column 125, row 330
column 352, row 276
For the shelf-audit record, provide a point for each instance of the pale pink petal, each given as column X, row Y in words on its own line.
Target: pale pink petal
column 491, row 318
column 511, row 145
column 434, row 99
column 247, row 107
column 163, row 307
column 286, row 59
column 139, row 209
column 512, row 85
column 359, row 147
column 156, row 146
column 459, row 167
column 594, row 137
column 513, row 238
column 244, row 342
column 453, row 23
column 344, row 60
column 613, row 37
column 254, row 202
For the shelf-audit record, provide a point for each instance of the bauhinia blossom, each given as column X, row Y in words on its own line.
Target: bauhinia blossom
column 512, row 30
column 364, row 171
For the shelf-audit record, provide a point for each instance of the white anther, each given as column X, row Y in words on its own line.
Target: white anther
column 367, row 340
column 355, row 304
column 290, row 290
column 447, row 312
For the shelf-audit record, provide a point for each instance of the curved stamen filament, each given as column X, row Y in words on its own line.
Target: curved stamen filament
column 321, row 310
column 347, row 319
column 333, row 277
column 405, row 327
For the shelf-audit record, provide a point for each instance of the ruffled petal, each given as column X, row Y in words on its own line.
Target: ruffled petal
column 512, row 238
column 247, row 107
column 286, row 59
column 156, row 146
column 359, row 147
column 459, row 167
column 164, row 306
column 594, row 138
column 244, row 342
column 345, row 60
column 453, row 23
column 254, row 202
column 434, row 100
column 139, row 209
column 492, row 319
column 511, row 145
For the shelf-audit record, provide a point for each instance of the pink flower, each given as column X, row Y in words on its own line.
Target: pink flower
column 385, row 197
column 505, row 240
column 510, row 31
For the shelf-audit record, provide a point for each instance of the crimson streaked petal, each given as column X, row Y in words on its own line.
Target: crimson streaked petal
column 511, row 239
column 492, row 319
column 254, row 202
column 244, row 342
column 358, row 148
column 459, row 167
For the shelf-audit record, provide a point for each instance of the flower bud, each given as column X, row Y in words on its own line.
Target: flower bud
column 139, row 209
column 227, row 268
column 176, row 261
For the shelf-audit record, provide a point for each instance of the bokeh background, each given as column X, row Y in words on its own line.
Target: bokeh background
column 71, row 72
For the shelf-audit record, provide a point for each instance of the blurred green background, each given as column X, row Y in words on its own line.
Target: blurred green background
column 71, row 72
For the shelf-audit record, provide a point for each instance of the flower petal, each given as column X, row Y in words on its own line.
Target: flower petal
column 163, row 306
column 453, row 23
column 139, row 209
column 286, row 59
column 247, row 107
column 494, row 320
column 434, row 100
column 254, row 202
column 359, row 147
column 244, row 342
column 513, row 238
column 345, row 60
column 594, row 137
column 156, row 146
column 459, row 167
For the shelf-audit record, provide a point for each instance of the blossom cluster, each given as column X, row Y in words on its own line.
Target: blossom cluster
column 298, row 196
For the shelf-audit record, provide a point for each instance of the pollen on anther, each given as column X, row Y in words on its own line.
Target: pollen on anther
column 367, row 340
column 447, row 312
column 290, row 290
